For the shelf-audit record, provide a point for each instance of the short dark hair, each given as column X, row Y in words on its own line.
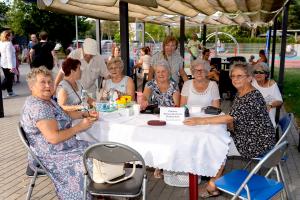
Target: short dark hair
column 70, row 64
column 43, row 35
column 262, row 52
column 204, row 51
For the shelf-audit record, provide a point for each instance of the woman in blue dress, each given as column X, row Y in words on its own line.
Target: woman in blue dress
column 52, row 137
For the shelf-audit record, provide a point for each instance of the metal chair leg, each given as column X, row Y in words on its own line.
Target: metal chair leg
column 248, row 164
column 32, row 184
column 287, row 191
column 84, row 186
column 144, row 187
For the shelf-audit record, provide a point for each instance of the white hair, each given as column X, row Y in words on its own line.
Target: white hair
column 263, row 65
column 162, row 63
column 198, row 62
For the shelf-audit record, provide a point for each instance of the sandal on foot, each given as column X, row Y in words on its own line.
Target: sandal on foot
column 157, row 173
column 205, row 193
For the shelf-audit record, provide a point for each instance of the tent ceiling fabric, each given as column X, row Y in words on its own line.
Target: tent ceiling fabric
column 167, row 12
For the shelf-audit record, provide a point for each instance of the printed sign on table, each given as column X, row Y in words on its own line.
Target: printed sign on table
column 172, row 115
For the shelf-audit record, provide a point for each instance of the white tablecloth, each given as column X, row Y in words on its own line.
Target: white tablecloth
column 199, row 150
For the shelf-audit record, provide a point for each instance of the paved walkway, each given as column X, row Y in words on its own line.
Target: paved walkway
column 13, row 162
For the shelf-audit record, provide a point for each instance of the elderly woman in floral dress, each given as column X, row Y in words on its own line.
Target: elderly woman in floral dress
column 161, row 91
column 52, row 137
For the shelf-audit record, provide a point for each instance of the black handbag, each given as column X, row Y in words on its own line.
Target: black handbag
column 212, row 110
column 151, row 109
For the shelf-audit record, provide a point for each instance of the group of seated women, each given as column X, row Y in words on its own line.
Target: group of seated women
column 52, row 137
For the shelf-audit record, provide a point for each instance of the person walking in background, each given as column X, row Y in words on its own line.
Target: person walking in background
column 8, row 62
column 17, row 51
column 193, row 47
column 142, row 67
column 33, row 41
column 41, row 53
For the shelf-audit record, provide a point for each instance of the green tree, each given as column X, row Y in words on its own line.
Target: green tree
column 156, row 31
column 294, row 17
column 25, row 18
column 109, row 29
column 3, row 10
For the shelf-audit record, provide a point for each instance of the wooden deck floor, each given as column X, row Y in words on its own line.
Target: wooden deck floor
column 13, row 161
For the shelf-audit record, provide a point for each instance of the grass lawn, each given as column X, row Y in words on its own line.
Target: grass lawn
column 291, row 91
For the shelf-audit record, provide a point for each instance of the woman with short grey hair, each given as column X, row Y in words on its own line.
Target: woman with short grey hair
column 248, row 121
column 200, row 91
column 118, row 82
column 52, row 137
column 161, row 90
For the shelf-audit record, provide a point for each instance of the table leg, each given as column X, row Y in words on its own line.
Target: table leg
column 193, row 186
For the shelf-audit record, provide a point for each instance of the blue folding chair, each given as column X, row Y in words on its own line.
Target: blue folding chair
column 284, row 124
column 249, row 185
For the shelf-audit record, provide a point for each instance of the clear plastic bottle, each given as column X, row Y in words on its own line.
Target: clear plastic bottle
column 84, row 99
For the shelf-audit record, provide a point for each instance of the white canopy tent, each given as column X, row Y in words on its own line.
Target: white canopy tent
column 167, row 12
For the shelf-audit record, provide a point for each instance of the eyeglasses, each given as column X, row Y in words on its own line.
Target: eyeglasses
column 238, row 77
column 259, row 72
column 113, row 68
column 198, row 71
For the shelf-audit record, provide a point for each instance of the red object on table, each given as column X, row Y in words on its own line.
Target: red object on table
column 193, row 186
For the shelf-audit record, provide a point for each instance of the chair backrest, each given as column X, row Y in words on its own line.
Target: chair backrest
column 145, row 79
column 216, row 62
column 112, row 152
column 271, row 159
column 285, row 124
column 25, row 141
column 236, row 59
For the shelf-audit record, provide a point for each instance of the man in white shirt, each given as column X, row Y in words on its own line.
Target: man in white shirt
column 92, row 66
column 193, row 47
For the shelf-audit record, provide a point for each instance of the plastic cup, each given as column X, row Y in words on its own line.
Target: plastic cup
column 139, row 97
column 136, row 109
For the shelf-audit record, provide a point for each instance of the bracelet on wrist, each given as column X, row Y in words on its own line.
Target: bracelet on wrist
column 85, row 114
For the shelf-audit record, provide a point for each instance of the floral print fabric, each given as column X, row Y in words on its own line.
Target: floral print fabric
column 253, row 133
column 159, row 98
column 63, row 160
